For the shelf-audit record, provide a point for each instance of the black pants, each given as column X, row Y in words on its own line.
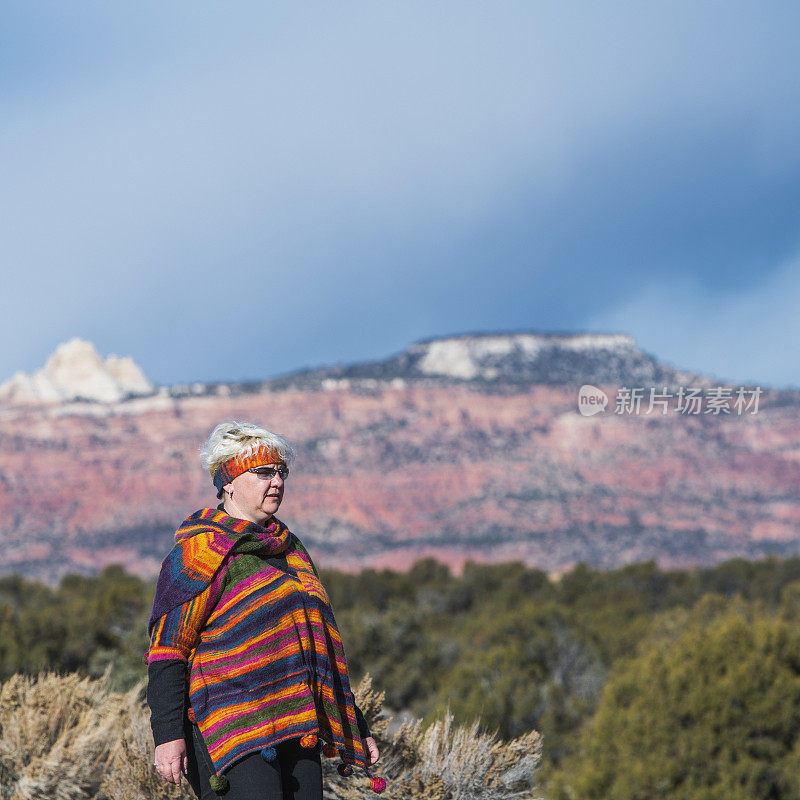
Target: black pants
column 295, row 775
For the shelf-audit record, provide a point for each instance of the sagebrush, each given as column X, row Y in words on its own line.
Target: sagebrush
column 64, row 737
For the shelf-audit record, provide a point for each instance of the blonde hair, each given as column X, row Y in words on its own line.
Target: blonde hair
column 231, row 439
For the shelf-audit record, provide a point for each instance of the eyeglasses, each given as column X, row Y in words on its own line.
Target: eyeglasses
column 268, row 473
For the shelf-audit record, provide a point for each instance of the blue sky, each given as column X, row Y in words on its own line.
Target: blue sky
column 238, row 191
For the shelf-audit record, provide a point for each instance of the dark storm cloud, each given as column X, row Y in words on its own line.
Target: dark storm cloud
column 372, row 174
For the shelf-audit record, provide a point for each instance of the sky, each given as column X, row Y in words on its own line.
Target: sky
column 238, row 191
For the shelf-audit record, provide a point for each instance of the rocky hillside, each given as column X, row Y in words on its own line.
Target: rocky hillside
column 517, row 358
column 392, row 469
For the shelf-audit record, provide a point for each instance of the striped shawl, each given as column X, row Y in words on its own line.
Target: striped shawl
column 264, row 653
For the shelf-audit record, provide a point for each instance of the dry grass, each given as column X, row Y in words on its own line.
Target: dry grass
column 441, row 762
column 69, row 738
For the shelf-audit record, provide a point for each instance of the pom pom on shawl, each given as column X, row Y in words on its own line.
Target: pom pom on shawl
column 218, row 783
column 269, row 754
column 309, row 740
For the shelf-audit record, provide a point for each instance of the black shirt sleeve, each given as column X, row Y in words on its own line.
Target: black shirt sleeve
column 166, row 693
column 363, row 728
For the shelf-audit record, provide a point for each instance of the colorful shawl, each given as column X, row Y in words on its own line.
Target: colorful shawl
column 265, row 657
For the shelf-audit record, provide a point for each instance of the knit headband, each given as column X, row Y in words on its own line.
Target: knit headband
column 235, row 466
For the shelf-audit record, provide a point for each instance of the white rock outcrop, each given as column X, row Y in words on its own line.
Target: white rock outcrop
column 471, row 356
column 76, row 371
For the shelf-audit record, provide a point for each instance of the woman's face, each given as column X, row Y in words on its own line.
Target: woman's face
column 255, row 498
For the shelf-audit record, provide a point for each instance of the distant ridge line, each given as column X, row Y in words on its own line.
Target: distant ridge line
column 487, row 359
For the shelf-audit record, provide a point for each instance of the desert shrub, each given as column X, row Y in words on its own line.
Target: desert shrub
column 72, row 738
column 441, row 761
column 82, row 625
column 708, row 710
column 57, row 735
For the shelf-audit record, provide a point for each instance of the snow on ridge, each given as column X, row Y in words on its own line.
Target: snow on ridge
column 461, row 356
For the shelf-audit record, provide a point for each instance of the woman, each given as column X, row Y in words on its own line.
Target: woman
column 247, row 673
